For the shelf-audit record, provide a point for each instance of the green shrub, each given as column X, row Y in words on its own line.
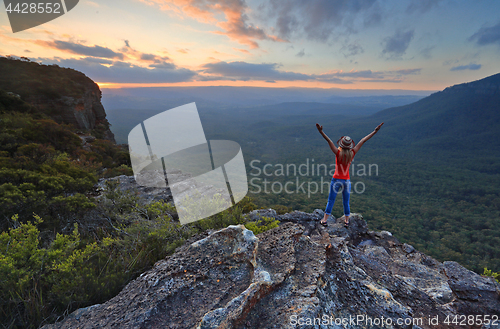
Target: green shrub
column 28, row 272
column 118, row 171
column 42, row 279
column 496, row 275
column 266, row 223
column 39, row 283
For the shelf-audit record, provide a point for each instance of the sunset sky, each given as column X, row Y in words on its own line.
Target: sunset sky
column 351, row 44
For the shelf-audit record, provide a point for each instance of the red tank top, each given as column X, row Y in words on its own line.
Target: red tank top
column 341, row 169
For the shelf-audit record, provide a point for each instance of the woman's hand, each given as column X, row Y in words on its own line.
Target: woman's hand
column 367, row 137
column 330, row 143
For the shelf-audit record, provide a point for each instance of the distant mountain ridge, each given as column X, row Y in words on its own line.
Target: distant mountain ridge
column 463, row 115
column 487, row 86
column 225, row 96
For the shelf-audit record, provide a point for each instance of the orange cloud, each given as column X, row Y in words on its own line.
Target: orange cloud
column 236, row 25
column 242, row 50
column 143, row 57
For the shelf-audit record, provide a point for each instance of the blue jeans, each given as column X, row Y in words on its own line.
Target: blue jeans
column 336, row 186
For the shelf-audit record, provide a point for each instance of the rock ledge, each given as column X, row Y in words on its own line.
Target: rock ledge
column 298, row 275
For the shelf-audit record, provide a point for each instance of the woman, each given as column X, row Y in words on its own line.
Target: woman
column 341, row 180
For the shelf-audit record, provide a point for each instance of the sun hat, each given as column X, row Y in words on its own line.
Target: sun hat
column 346, row 142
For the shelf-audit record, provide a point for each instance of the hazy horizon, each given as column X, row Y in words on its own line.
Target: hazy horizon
column 161, row 97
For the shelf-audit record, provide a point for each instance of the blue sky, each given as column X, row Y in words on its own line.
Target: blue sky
column 351, row 44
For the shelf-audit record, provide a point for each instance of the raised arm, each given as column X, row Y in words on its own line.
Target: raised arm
column 330, row 143
column 367, row 137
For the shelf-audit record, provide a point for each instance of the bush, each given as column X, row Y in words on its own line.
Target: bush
column 496, row 275
column 29, row 272
column 266, row 223
column 40, row 280
column 42, row 283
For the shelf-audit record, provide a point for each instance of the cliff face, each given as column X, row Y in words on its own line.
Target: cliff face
column 84, row 112
column 298, row 275
column 66, row 95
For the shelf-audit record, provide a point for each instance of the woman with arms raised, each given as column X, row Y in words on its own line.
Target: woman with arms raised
column 341, row 180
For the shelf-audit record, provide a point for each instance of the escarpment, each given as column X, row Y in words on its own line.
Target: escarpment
column 84, row 111
column 65, row 95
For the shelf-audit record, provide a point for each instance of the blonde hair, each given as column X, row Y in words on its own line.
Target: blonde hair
column 345, row 155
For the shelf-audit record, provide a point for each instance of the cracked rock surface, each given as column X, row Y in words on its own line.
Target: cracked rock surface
column 298, row 275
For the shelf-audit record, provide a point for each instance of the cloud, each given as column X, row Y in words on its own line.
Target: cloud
column 127, row 52
column 421, row 6
column 407, row 71
column 350, row 77
column 164, row 66
column 154, row 60
column 79, row 49
column 394, row 76
column 470, row 66
column 248, row 71
column 147, row 57
column 352, row 49
column 450, row 62
column 336, row 81
column 373, row 19
column 213, row 78
column 243, row 71
column 487, row 35
column 106, row 70
column 92, row 60
column 300, row 53
column 426, row 52
column 242, row 50
column 390, row 80
column 91, row 3
column 395, row 46
column 360, row 74
column 122, row 72
column 236, row 25
column 320, row 19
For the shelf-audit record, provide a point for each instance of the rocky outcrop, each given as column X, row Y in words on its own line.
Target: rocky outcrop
column 86, row 140
column 84, row 112
column 150, row 193
column 128, row 184
column 298, row 275
column 66, row 95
